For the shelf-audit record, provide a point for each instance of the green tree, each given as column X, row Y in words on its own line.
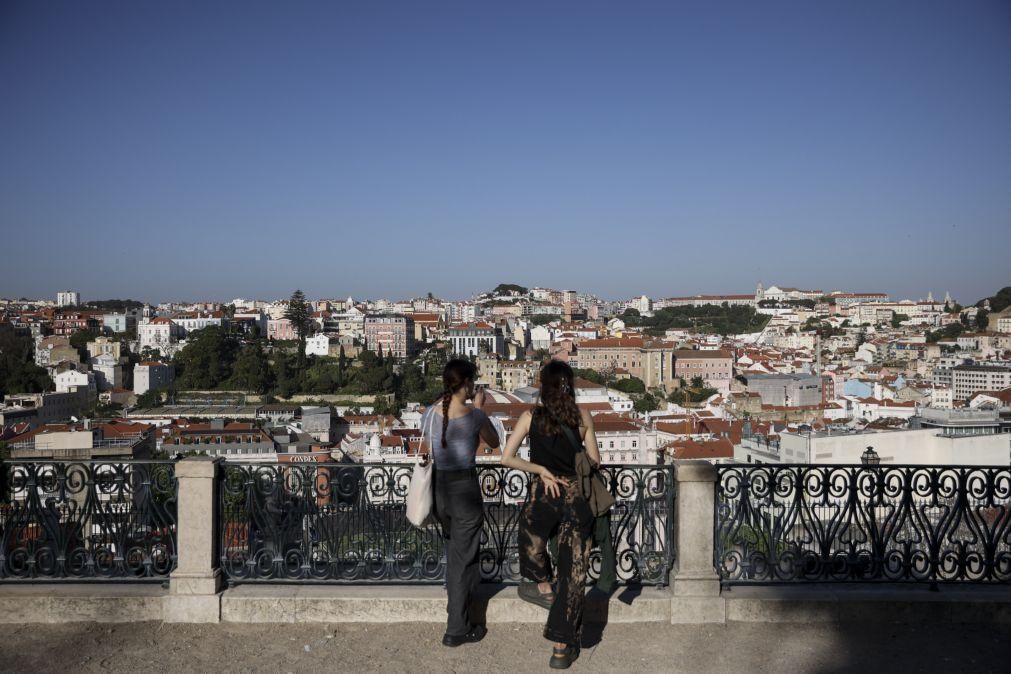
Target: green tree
column 505, row 288
column 79, row 340
column 251, row 371
column 897, row 319
column 207, row 360
column 300, row 315
column 18, row 371
column 950, row 331
column 998, row 301
column 646, row 403
column 149, row 399
column 342, row 367
column 286, row 377
column 589, row 375
column 630, row 385
column 982, row 319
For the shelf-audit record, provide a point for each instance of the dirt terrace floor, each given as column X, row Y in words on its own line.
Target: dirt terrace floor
column 416, row 647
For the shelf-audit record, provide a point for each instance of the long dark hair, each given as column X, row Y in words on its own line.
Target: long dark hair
column 557, row 403
column 457, row 374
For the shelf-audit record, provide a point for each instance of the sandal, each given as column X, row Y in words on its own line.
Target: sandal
column 562, row 658
column 529, row 592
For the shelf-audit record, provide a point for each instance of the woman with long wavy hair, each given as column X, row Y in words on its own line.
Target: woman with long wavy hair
column 555, row 506
column 453, row 429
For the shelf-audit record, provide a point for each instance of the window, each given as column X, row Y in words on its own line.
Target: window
column 611, row 445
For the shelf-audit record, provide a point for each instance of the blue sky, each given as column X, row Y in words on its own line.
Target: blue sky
column 177, row 150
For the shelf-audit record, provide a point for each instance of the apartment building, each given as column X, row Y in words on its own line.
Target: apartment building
column 786, row 390
column 652, row 361
column 390, row 334
column 151, row 375
column 715, row 367
column 471, row 339
column 969, row 379
column 68, row 298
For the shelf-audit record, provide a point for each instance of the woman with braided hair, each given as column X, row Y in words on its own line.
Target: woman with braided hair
column 555, row 507
column 453, row 429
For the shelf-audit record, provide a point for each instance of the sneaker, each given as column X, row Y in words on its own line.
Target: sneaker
column 475, row 634
column 529, row 592
column 562, row 658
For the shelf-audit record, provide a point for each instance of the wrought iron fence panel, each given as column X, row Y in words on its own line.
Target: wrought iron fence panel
column 87, row 520
column 797, row 523
column 346, row 523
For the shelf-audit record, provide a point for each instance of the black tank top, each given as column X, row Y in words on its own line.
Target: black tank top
column 554, row 452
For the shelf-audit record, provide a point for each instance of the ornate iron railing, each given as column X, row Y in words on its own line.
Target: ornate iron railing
column 87, row 520
column 790, row 523
column 346, row 523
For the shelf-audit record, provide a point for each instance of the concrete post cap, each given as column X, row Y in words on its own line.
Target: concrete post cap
column 695, row 470
column 197, row 466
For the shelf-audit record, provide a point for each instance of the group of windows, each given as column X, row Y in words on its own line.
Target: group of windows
column 610, row 444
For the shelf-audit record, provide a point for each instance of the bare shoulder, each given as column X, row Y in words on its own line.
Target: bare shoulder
column 525, row 419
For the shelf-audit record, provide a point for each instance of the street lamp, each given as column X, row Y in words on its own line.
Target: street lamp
column 870, row 457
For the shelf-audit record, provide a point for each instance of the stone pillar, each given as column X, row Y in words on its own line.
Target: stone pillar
column 694, row 582
column 194, row 586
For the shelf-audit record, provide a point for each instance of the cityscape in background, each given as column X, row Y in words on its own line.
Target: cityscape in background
column 775, row 375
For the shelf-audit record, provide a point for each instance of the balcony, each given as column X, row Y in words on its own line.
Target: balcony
column 206, row 541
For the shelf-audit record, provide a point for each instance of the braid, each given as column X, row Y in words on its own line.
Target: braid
column 447, row 395
column 457, row 374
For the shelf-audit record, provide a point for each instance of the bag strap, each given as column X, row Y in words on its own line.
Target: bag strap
column 426, row 436
column 573, row 440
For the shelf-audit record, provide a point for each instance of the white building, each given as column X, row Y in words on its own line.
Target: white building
column 198, row 320
column 540, row 337
column 621, row 441
column 151, row 375
column 589, row 393
column 917, row 447
column 158, row 333
column 108, row 371
column 319, row 345
column 471, row 339
column 71, row 380
column 68, row 298
column 969, row 379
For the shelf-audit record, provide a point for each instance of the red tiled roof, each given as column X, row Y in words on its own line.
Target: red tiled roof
column 702, row 354
column 705, row 449
column 615, row 426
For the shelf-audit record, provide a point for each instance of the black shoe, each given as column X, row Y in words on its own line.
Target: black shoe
column 529, row 592
column 562, row 658
column 475, row 634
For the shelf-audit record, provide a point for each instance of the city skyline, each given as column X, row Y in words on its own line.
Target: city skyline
column 86, row 298
column 388, row 150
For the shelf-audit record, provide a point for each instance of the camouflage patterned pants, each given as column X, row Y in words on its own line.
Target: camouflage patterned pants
column 569, row 516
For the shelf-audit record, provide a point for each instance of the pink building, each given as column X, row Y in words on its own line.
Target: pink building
column 280, row 329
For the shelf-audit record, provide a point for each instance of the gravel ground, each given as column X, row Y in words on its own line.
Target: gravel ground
column 416, row 647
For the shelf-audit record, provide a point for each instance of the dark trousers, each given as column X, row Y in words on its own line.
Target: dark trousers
column 459, row 507
column 569, row 514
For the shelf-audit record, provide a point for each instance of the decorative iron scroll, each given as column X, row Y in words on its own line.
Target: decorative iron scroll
column 87, row 520
column 346, row 523
column 790, row 523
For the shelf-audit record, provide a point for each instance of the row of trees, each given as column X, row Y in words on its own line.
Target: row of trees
column 214, row 359
column 723, row 319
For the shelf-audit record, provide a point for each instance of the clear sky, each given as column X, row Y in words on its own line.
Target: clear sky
column 177, row 150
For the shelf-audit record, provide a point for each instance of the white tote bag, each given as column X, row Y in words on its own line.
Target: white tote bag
column 419, row 492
